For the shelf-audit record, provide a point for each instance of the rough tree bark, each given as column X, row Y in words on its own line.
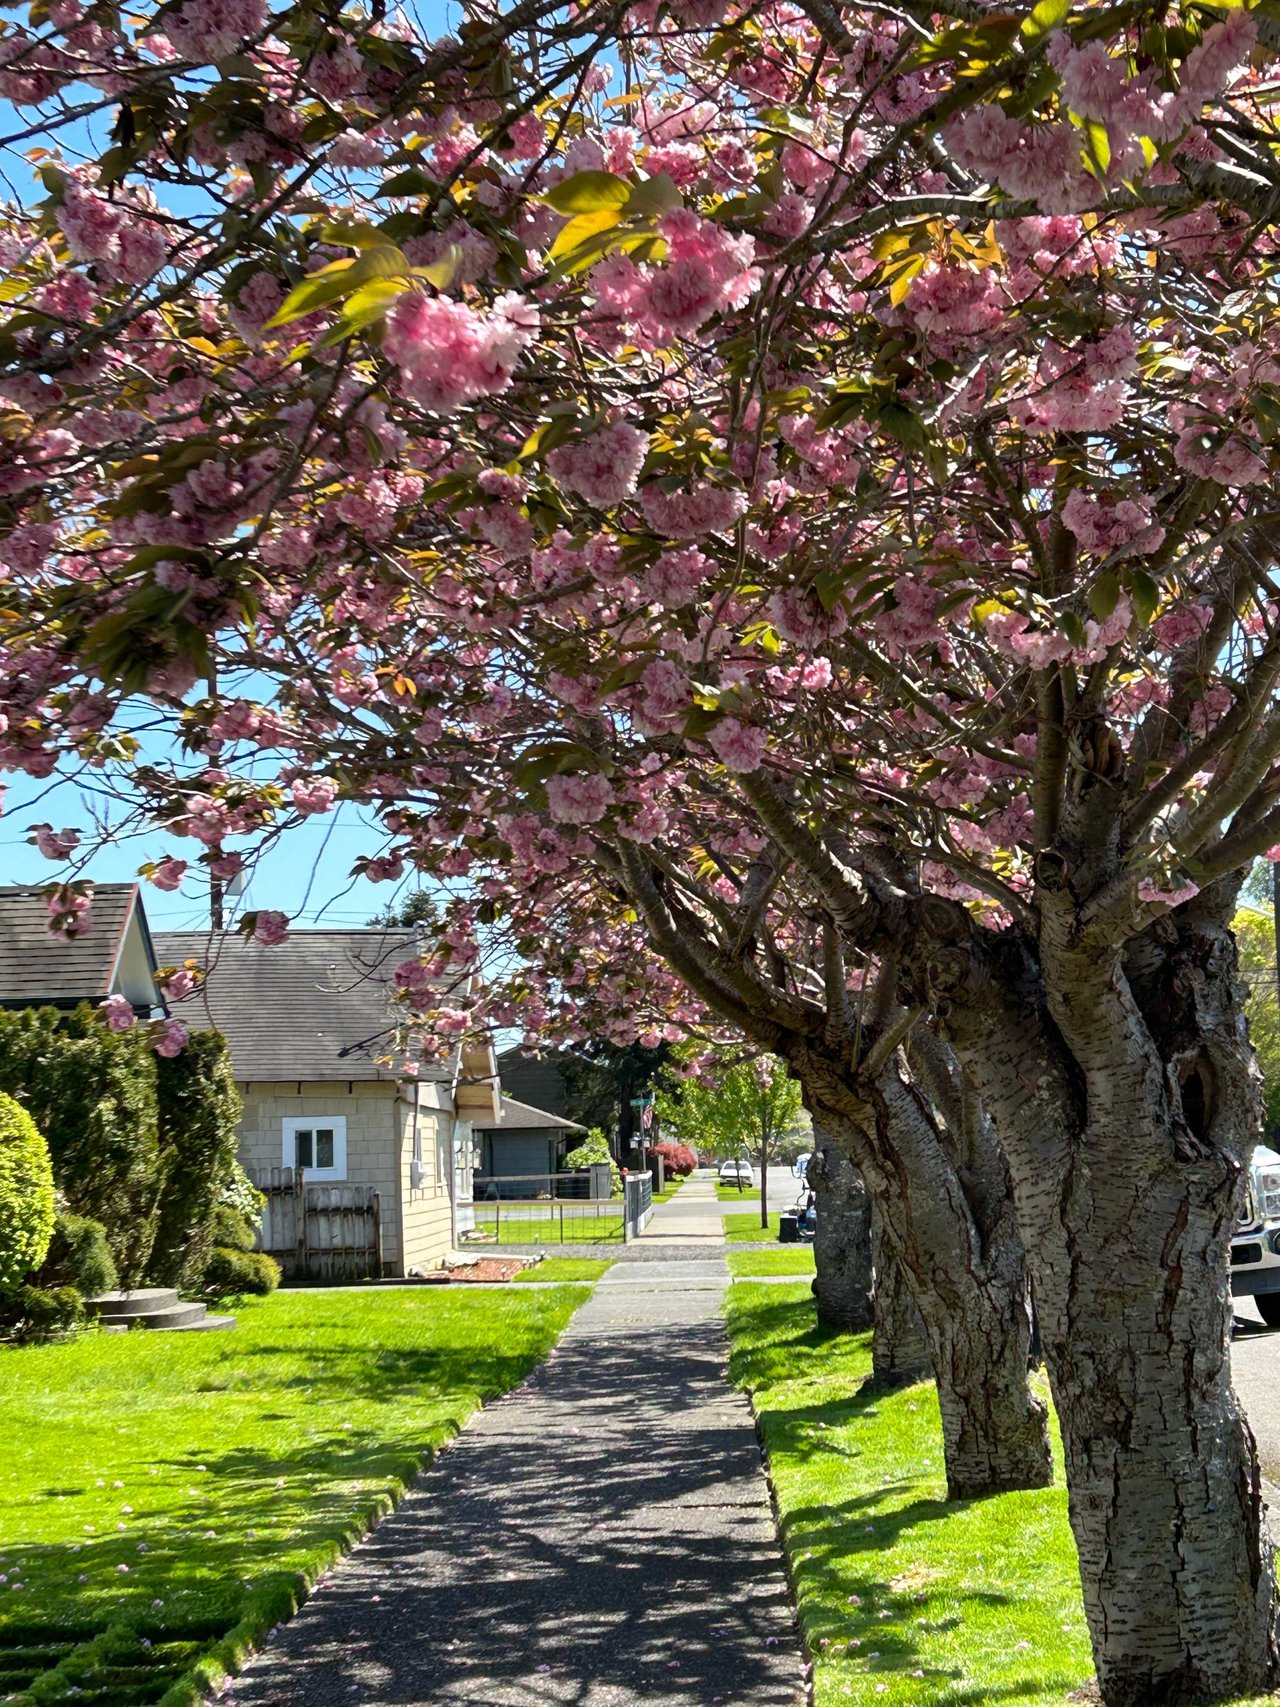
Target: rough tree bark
column 899, row 1350
column 1129, row 1108
column 842, row 1240
column 958, row 1242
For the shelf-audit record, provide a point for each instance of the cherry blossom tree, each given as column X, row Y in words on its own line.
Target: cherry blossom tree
column 801, row 475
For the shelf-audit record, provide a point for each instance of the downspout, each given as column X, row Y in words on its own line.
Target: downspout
column 451, row 1172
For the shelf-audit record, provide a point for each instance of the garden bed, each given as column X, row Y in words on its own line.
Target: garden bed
column 170, row 1497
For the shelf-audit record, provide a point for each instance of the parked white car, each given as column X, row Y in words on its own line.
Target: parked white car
column 1255, row 1249
column 737, row 1173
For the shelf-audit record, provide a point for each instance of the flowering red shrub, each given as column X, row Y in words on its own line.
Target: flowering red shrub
column 678, row 1159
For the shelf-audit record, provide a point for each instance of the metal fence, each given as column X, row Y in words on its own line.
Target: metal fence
column 545, row 1209
column 319, row 1232
column 638, row 1203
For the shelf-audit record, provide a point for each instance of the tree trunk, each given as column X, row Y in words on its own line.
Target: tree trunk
column 899, row 1350
column 1128, row 1174
column 944, row 1201
column 842, row 1240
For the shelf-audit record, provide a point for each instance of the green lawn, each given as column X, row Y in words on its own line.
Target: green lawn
column 731, row 1194
column 747, row 1227
column 164, row 1498
column 545, row 1229
column 565, row 1268
column 787, row 1259
column 906, row 1600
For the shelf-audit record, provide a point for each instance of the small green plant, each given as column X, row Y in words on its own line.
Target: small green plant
column 231, row 1273
column 79, row 1256
column 40, row 1312
column 26, row 1194
column 594, row 1149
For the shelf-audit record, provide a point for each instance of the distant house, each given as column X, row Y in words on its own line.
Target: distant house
column 538, row 1080
column 114, row 956
column 307, row 1022
column 524, row 1143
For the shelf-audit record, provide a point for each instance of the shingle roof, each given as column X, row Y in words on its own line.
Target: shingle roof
column 520, row 1117
column 37, row 967
column 317, row 1006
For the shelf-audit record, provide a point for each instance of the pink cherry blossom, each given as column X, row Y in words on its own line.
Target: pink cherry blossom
column 169, row 873
column 603, row 468
column 118, row 1012
column 270, row 928
column 738, row 746
column 172, row 1040
column 581, row 799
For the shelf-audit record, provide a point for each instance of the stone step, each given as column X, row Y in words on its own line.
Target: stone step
column 171, row 1316
column 208, row 1325
column 141, row 1301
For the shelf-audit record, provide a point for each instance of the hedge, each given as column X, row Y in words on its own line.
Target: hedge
column 92, row 1093
column 199, row 1113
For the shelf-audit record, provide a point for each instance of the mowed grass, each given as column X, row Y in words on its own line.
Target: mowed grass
column 549, row 1228
column 905, row 1600
column 164, row 1498
column 739, row 1228
column 565, row 1268
column 731, row 1194
column 787, row 1259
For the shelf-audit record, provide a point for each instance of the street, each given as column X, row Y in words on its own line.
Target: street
column 1255, row 1368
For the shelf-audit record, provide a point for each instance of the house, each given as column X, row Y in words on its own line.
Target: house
column 523, row 1144
column 113, row 956
column 310, row 1023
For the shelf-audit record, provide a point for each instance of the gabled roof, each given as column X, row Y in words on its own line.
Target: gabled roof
column 37, row 967
column 316, row 1006
column 520, row 1117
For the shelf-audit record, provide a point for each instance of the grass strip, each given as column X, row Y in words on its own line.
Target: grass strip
column 165, row 1487
column 747, row 1228
column 565, row 1269
column 906, row 1599
column 789, row 1259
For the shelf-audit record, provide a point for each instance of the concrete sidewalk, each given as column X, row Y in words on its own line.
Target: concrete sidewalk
column 600, row 1537
column 692, row 1217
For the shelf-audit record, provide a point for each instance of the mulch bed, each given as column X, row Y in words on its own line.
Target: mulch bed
column 486, row 1268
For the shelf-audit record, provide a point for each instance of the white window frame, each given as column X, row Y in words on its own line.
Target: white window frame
column 295, row 1123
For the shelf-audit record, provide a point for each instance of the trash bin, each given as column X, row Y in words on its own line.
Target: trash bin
column 788, row 1228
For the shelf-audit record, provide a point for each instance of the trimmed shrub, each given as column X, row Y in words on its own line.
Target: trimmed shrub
column 198, row 1116
column 231, row 1229
column 678, row 1159
column 92, row 1093
column 233, row 1274
column 26, row 1194
column 40, row 1312
column 79, row 1256
column 594, row 1148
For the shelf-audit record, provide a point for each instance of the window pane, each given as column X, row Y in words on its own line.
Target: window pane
column 324, row 1147
column 302, row 1151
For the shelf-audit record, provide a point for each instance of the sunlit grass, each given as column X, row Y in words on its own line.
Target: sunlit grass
column 906, row 1600
column 787, row 1259
column 566, row 1268
column 747, row 1227
column 159, row 1488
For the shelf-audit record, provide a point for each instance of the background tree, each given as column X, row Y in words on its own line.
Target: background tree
column 745, row 1107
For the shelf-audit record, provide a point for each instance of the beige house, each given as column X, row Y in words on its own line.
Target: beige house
column 307, row 1022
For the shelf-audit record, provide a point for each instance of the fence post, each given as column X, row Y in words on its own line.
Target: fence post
column 300, row 1219
column 377, row 1237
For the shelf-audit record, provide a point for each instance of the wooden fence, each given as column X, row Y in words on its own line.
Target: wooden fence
column 319, row 1232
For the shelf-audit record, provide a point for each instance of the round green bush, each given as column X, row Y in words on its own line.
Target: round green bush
column 79, row 1256
column 40, row 1312
column 26, row 1194
column 233, row 1274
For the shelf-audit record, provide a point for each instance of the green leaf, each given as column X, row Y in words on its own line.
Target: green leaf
column 581, row 229
column 1104, row 595
column 365, row 306
column 1048, row 15
column 442, row 273
column 338, row 280
column 413, row 181
column 901, row 423
column 1097, row 146
column 1145, row 595
column 655, row 195
column 590, row 192
column 1074, row 629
